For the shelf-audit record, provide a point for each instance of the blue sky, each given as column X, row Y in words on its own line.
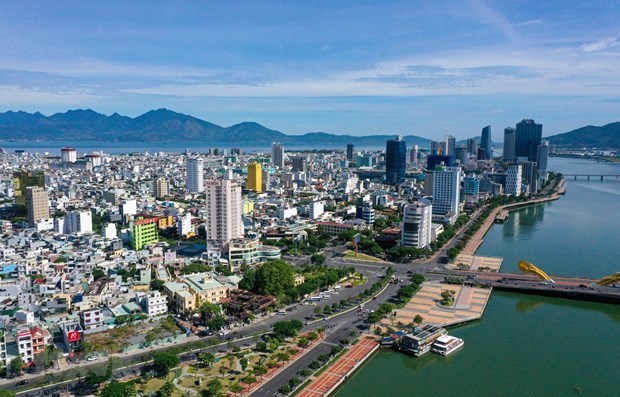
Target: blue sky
column 346, row 67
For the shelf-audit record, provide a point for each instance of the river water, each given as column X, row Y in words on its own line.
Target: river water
column 529, row 345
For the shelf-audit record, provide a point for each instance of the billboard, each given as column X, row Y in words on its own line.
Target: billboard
column 73, row 336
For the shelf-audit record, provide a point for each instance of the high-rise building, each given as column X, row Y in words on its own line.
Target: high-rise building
column 143, row 232
column 350, row 151
column 79, row 221
column 450, row 146
column 21, row 181
column 542, row 156
column 195, row 175
column 37, row 204
column 529, row 174
column 277, row 155
column 527, row 138
column 514, row 177
column 472, row 147
column 299, row 164
column 224, row 210
column 416, row 225
column 486, row 143
column 471, row 186
column 509, row 144
column 434, row 160
column 414, row 154
column 461, row 154
column 395, row 161
column 161, row 188
column 435, row 147
column 446, row 190
column 68, row 155
column 255, row 177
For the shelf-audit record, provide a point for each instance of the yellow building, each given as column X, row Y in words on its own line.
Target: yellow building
column 255, row 177
column 248, row 206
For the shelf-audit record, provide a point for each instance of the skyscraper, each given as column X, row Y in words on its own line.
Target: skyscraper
column 277, row 155
column 37, row 204
column 255, row 177
column 195, row 175
column 416, row 225
column 527, row 138
column 509, row 144
column 435, row 147
column 472, row 147
column 21, row 181
column 413, row 155
column 299, row 164
column 395, row 161
column 542, row 156
column 161, row 187
column 350, row 150
column 514, row 177
column 68, row 155
column 224, row 210
column 461, row 155
column 446, row 190
column 486, row 142
column 450, row 146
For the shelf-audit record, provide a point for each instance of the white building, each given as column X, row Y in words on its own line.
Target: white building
column 92, row 318
column 285, row 212
column 68, row 155
column 184, row 225
column 109, row 231
column 514, row 177
column 155, row 304
column 316, row 209
column 129, row 207
column 277, row 155
column 195, row 175
column 446, row 191
column 24, row 345
column 368, row 214
column 224, row 210
column 416, row 225
column 79, row 222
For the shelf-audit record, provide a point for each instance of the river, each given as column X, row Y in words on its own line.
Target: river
column 529, row 345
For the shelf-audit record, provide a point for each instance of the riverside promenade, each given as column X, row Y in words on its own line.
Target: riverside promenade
column 339, row 371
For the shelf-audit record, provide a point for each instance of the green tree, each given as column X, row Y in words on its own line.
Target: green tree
column 318, row 310
column 166, row 390
column 248, row 281
column 118, row 389
column 418, row 319
column 157, row 285
column 243, row 361
column 164, row 362
column 286, row 329
column 214, row 386
column 16, row 365
column 274, row 278
column 98, row 273
column 6, row 393
column 207, row 359
column 317, row 259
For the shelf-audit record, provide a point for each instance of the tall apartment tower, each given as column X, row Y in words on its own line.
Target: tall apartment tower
column 413, row 155
column 446, row 190
column 224, row 210
column 450, row 146
column 434, row 147
column 299, row 164
column 195, row 175
column 277, row 155
column 68, row 155
column 514, row 176
column 79, row 221
column 350, row 151
column 542, row 156
column 21, row 181
column 395, row 161
column 527, row 138
column 161, row 188
column 472, row 147
column 37, row 204
column 509, row 144
column 416, row 225
column 255, row 177
column 486, row 142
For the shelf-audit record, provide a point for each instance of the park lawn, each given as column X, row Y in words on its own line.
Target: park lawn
column 361, row 257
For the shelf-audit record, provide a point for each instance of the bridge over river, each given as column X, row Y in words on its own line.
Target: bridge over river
column 600, row 177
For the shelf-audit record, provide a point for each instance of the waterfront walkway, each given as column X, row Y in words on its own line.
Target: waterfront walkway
column 340, row 370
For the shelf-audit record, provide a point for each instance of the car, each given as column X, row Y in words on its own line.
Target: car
column 91, row 358
column 21, row 383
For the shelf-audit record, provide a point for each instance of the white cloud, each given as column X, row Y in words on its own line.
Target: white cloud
column 15, row 95
column 599, row 45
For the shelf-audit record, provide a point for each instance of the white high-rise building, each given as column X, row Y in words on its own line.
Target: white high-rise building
column 316, row 209
column 514, row 177
column 79, row 222
column 195, row 175
column 446, row 190
column 277, row 155
column 416, row 225
column 224, row 210
column 184, row 224
column 68, row 155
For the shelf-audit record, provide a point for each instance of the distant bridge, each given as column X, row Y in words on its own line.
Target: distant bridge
column 593, row 176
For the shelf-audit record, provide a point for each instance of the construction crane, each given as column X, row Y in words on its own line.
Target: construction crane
column 527, row 267
column 609, row 280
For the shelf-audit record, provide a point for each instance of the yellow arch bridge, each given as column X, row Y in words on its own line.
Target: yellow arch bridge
column 609, row 280
column 527, row 267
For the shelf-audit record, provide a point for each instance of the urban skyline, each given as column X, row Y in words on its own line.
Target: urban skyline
column 300, row 68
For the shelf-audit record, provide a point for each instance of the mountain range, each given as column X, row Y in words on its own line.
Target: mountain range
column 162, row 125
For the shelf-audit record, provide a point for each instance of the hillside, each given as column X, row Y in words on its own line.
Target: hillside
column 607, row 136
column 161, row 125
